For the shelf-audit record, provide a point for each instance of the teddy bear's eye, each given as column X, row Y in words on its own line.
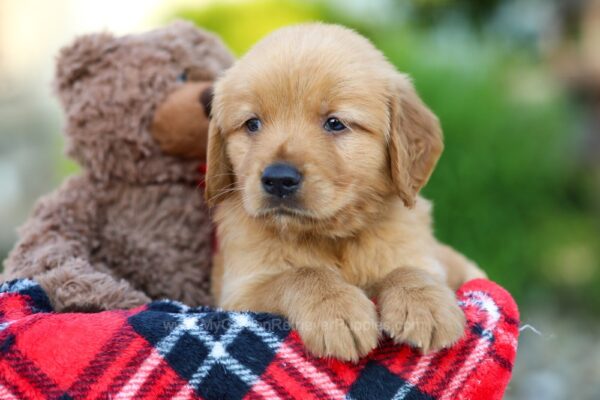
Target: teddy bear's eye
column 183, row 77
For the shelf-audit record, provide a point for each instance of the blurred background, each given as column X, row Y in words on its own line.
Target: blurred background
column 516, row 85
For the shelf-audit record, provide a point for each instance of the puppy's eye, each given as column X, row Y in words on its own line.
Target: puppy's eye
column 334, row 125
column 183, row 77
column 253, row 125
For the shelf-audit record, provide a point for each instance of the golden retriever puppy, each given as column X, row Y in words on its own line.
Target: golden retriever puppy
column 317, row 150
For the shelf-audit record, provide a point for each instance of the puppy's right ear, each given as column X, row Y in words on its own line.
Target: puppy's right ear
column 219, row 172
column 415, row 141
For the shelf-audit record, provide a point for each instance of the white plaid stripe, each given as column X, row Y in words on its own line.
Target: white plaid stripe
column 186, row 392
column 414, row 378
column 6, row 394
column 137, row 380
column 264, row 390
column 17, row 286
column 5, row 325
column 312, row 374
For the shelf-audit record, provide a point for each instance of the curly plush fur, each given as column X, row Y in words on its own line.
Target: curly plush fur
column 133, row 225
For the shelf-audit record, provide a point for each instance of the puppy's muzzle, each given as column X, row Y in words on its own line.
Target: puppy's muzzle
column 281, row 180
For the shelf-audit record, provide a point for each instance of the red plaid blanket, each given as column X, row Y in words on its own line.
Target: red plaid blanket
column 167, row 350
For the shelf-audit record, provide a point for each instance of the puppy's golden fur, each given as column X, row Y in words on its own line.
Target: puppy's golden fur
column 356, row 228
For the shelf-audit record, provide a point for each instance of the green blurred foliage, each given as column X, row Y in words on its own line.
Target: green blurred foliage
column 429, row 12
column 242, row 24
column 506, row 188
column 66, row 165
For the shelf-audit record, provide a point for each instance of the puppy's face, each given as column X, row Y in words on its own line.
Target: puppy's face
column 314, row 128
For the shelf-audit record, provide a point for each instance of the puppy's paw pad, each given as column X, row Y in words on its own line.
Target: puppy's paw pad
column 428, row 318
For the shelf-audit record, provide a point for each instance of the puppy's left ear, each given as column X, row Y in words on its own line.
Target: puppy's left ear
column 414, row 143
column 219, row 172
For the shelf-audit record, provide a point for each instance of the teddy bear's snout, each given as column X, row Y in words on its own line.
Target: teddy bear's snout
column 180, row 122
column 206, row 98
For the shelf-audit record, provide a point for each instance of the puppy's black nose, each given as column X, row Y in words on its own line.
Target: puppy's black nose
column 281, row 180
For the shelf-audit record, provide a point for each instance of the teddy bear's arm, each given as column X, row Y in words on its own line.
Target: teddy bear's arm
column 60, row 227
column 76, row 286
column 54, row 249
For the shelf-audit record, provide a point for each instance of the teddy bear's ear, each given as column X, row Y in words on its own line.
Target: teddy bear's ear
column 181, row 28
column 79, row 58
column 211, row 55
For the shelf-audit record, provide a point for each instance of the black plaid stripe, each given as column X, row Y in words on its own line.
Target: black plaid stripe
column 501, row 361
column 170, row 391
column 12, row 388
column 377, row 382
column 508, row 319
column 411, row 362
column 293, row 372
column 29, row 371
column 281, row 391
column 126, row 373
column 6, row 342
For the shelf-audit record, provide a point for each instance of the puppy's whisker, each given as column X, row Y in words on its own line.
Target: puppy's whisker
column 226, row 191
column 227, row 174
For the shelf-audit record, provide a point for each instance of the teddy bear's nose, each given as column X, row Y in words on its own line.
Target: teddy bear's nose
column 206, row 100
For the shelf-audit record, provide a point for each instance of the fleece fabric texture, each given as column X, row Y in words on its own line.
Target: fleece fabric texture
column 167, row 350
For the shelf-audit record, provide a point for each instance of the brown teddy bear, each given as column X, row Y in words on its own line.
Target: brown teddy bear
column 133, row 225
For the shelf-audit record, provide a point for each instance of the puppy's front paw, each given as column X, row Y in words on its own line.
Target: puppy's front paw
column 427, row 317
column 343, row 326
